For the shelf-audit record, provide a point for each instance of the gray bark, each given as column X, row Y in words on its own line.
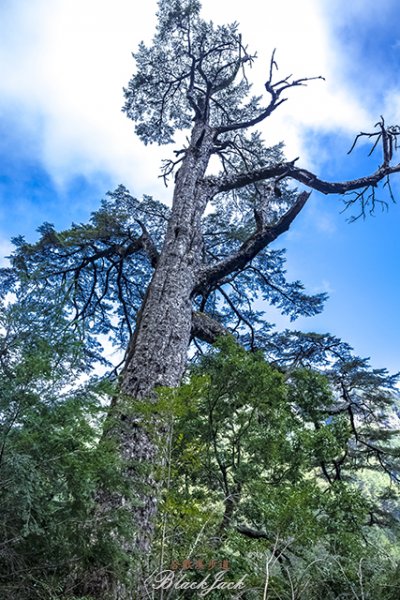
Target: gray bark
column 157, row 357
column 206, row 328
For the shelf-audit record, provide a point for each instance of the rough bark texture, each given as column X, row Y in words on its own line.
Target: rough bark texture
column 158, row 354
column 159, row 349
column 206, row 329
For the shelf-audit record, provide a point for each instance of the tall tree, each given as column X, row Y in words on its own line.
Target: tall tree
column 161, row 277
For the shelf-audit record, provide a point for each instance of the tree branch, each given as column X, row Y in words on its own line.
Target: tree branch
column 240, row 316
column 206, row 328
column 258, row 534
column 254, row 534
column 275, row 90
column 289, row 170
column 148, row 245
column 251, row 247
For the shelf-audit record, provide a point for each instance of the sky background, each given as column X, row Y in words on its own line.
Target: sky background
column 64, row 141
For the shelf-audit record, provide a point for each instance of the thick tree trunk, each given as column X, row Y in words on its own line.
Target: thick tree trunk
column 157, row 357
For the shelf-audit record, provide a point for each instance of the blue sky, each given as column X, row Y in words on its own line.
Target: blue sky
column 64, row 141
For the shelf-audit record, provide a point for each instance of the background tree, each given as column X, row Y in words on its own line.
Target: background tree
column 265, row 462
column 271, row 464
column 160, row 277
column 51, row 411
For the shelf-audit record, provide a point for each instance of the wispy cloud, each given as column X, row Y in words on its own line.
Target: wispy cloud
column 64, row 65
column 63, row 68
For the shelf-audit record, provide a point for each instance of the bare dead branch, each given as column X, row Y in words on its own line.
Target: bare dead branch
column 290, row 171
column 387, row 135
column 168, row 167
column 275, row 90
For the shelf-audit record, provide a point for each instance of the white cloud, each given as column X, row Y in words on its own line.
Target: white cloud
column 64, row 64
column 306, row 46
column 63, row 68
